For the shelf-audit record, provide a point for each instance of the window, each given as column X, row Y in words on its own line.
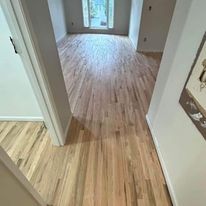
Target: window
column 98, row 14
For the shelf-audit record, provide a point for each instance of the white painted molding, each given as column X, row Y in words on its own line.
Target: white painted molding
column 59, row 40
column 21, row 118
column 163, row 165
column 19, row 18
column 133, row 45
column 150, row 51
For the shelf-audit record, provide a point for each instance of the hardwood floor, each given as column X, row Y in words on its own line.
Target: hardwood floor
column 109, row 158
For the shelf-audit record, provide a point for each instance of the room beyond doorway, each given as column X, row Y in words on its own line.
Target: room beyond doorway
column 109, row 86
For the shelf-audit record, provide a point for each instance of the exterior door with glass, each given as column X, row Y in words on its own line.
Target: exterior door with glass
column 98, row 14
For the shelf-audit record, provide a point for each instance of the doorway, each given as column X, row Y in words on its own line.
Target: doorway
column 98, row 14
column 22, row 125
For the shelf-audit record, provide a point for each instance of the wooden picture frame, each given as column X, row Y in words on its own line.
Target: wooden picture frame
column 193, row 96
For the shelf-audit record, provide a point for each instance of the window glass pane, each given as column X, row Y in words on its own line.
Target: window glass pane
column 111, row 13
column 85, row 9
column 98, row 13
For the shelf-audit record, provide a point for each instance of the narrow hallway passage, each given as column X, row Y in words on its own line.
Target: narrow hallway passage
column 109, row 87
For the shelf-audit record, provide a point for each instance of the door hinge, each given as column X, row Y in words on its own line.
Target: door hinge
column 13, row 44
column 44, row 125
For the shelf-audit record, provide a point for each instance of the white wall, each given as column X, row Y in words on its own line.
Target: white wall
column 17, row 101
column 73, row 9
column 181, row 146
column 155, row 24
column 135, row 19
column 12, row 192
column 15, row 188
column 43, row 38
column 56, row 8
column 152, row 32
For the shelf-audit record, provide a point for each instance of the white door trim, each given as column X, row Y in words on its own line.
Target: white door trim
column 29, row 55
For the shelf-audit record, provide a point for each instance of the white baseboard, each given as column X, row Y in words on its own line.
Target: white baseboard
column 150, row 51
column 59, row 40
column 135, row 47
column 162, row 162
column 21, row 119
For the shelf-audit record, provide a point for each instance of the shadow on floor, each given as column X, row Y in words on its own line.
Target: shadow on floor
column 82, row 130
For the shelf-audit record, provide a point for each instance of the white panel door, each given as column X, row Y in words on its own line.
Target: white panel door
column 17, row 99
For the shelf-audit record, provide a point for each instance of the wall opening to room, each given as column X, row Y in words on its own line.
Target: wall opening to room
column 21, row 120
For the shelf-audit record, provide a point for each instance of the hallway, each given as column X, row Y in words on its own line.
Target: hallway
column 109, row 87
column 109, row 158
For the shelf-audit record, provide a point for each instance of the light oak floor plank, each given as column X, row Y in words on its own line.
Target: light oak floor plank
column 109, row 158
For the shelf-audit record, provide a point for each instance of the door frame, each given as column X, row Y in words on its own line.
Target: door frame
column 27, row 51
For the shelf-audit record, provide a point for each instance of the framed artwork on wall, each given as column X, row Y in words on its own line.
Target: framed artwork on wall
column 193, row 97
